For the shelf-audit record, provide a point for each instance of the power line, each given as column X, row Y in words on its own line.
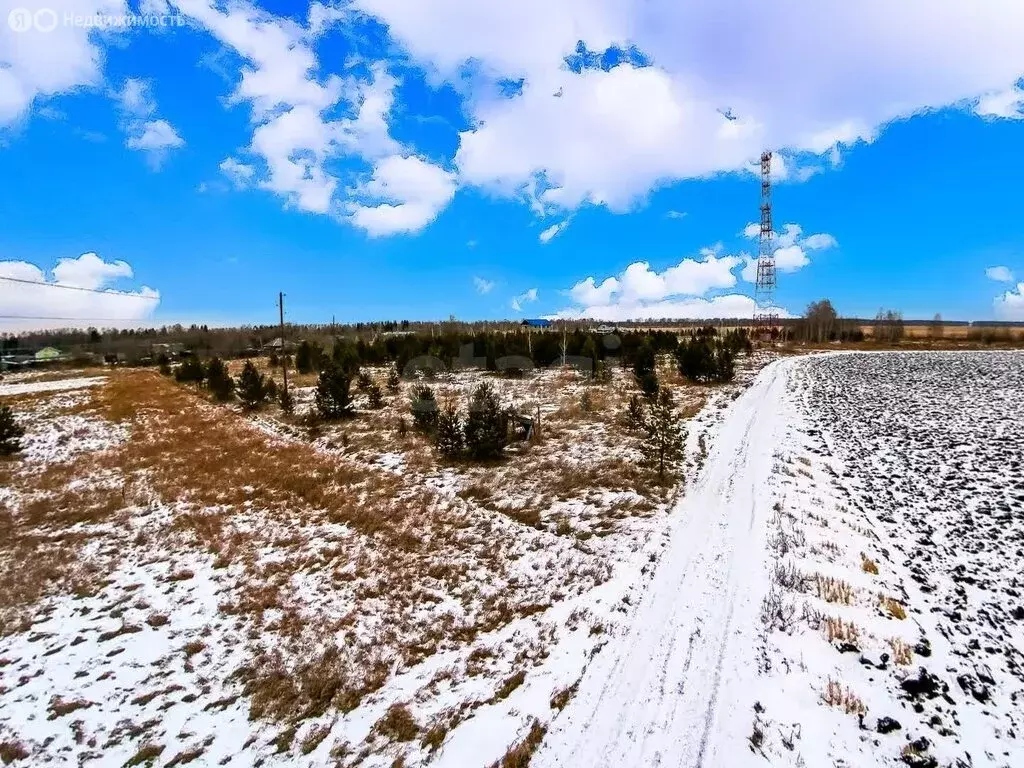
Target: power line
column 104, row 291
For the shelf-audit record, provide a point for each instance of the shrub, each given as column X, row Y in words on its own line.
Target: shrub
column 221, row 385
column 393, row 381
column 251, row 387
column 333, row 392
column 424, row 409
column 10, row 432
column 190, row 370
column 486, row 425
column 306, row 357
column 375, row 395
column 449, row 437
column 635, row 413
column 663, row 443
column 363, row 381
column 648, row 384
column 286, row 401
column 706, row 360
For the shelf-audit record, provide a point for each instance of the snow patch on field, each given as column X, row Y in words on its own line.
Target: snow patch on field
column 59, row 385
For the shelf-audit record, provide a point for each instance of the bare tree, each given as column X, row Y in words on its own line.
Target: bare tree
column 821, row 320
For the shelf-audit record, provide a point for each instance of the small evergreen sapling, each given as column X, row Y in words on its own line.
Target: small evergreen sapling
column 486, row 425
column 220, row 384
column 251, row 389
column 393, row 381
column 375, row 395
column 333, row 392
column 286, row 401
column 449, row 437
column 635, row 413
column 190, row 371
column 663, row 442
column 423, row 404
column 10, row 432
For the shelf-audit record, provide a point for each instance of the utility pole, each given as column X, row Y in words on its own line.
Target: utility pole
column 284, row 356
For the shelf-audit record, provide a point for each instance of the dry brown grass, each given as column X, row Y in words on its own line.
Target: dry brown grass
column 519, row 755
column 868, row 565
column 893, row 607
column 836, row 695
column 842, row 631
column 902, row 652
column 398, row 724
column 833, row 590
column 12, row 750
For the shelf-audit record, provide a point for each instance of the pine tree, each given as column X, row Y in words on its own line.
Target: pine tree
column 644, row 360
column 423, row 404
column 648, row 384
column 486, row 425
column 190, row 370
column 251, row 389
column 333, row 392
column 305, row 360
column 221, row 385
column 363, row 381
column 375, row 395
column 449, row 438
column 662, row 447
column 10, row 432
column 393, row 381
column 286, row 401
column 635, row 413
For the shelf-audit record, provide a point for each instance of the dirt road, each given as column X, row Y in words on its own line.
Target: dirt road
column 675, row 688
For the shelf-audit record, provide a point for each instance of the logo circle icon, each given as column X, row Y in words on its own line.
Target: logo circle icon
column 20, row 19
column 46, row 20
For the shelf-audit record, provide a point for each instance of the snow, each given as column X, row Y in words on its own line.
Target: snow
column 663, row 692
column 58, row 385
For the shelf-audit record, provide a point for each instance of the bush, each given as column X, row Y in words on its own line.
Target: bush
column 286, row 401
column 486, row 425
column 190, row 370
column 363, row 381
column 635, row 413
column 393, row 381
column 251, row 387
column 449, row 437
column 10, row 432
column 423, row 404
column 375, row 395
column 333, row 393
column 306, row 357
column 221, row 385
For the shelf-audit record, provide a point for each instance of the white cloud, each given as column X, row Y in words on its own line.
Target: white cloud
column 730, row 305
column 241, row 174
column 676, row 214
column 553, row 230
column 144, row 131
column 791, row 248
column 482, row 285
column 610, row 137
column 405, row 194
column 1010, row 305
column 72, row 307
column 1007, row 103
column 999, row 274
column 524, row 298
column 640, row 291
column 37, row 65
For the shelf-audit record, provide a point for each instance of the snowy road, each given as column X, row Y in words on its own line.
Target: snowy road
column 676, row 689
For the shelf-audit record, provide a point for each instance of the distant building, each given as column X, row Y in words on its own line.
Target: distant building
column 604, row 330
column 278, row 345
column 539, row 323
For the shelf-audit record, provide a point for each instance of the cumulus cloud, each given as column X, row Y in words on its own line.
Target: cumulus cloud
column 1007, row 104
column 691, row 308
column 610, row 136
column 72, row 307
column 524, row 298
column 791, row 248
column 999, row 274
column 144, row 131
column 482, row 285
column 1010, row 305
column 404, row 194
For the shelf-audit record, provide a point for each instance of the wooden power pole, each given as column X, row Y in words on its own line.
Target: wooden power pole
column 284, row 356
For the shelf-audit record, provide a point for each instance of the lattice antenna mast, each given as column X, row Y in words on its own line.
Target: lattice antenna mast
column 764, row 294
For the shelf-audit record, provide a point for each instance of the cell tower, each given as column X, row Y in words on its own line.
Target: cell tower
column 766, row 316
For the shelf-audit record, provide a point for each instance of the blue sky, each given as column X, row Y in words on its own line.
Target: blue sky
column 377, row 159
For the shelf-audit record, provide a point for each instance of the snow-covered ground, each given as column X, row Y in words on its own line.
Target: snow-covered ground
column 839, row 586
